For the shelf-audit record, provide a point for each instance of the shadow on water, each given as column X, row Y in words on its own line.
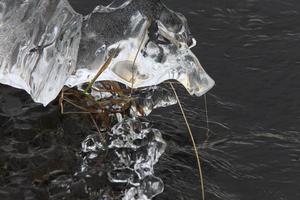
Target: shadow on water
column 251, row 48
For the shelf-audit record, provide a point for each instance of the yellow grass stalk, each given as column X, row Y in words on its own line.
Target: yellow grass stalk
column 101, row 70
column 193, row 142
column 137, row 53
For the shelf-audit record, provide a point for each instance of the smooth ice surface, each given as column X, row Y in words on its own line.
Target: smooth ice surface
column 39, row 41
column 40, row 50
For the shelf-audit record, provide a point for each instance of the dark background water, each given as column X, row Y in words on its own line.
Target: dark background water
column 251, row 49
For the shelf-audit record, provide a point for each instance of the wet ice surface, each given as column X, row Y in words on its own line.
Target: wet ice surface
column 251, row 49
column 152, row 45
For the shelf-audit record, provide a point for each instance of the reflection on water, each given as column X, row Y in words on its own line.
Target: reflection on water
column 251, row 49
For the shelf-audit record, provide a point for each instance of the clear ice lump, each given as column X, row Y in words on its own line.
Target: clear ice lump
column 45, row 44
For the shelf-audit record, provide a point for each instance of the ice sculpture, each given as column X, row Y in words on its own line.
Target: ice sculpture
column 39, row 41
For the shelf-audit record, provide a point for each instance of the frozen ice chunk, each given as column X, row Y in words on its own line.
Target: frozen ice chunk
column 126, row 160
column 39, row 41
column 135, row 148
column 160, row 36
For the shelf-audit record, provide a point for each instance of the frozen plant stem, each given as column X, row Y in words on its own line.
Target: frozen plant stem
column 137, row 53
column 193, row 142
column 101, row 70
column 207, row 123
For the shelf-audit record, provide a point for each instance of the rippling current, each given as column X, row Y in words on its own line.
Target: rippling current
column 251, row 49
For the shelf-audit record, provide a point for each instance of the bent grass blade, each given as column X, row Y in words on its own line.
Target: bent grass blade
column 101, row 70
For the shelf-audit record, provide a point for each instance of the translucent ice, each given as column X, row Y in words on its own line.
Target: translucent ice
column 40, row 50
column 158, row 36
column 133, row 148
column 39, row 42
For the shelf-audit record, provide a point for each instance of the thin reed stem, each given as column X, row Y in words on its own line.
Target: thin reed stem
column 67, row 113
column 206, row 115
column 193, row 142
column 98, row 129
column 101, row 70
column 138, row 51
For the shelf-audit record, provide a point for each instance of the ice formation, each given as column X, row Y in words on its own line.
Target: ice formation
column 43, row 47
column 133, row 148
column 39, row 41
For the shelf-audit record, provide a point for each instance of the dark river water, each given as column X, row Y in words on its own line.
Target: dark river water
column 251, row 48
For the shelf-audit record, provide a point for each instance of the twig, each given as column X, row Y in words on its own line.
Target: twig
column 75, row 105
column 97, row 127
column 67, row 113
